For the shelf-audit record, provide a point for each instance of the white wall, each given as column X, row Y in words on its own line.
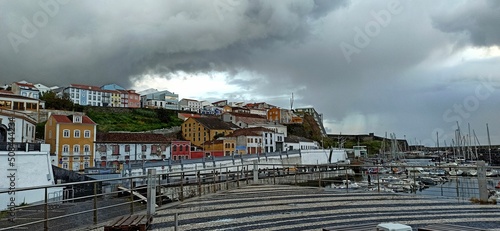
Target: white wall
column 31, row 169
column 320, row 156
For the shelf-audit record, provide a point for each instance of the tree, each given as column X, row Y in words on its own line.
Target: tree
column 53, row 101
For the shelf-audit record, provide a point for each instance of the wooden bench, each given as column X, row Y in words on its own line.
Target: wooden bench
column 130, row 223
column 361, row 227
column 448, row 227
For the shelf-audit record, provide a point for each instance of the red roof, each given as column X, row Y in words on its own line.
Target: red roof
column 87, row 87
column 189, row 115
column 132, row 137
column 6, row 92
column 69, row 119
column 110, row 91
column 25, row 85
column 255, row 131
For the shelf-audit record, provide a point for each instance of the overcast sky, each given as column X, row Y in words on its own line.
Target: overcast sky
column 412, row 68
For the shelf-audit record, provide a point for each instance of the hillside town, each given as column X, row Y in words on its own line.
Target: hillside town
column 208, row 129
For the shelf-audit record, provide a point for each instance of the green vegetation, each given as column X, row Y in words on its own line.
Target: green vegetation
column 53, row 101
column 40, row 130
column 132, row 119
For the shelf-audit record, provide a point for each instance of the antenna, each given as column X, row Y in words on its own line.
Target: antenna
column 291, row 102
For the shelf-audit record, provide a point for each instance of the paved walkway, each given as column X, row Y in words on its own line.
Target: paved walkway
column 279, row 207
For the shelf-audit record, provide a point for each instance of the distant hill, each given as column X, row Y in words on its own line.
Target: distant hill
column 132, row 119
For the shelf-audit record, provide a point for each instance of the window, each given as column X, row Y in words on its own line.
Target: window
column 154, row 149
column 77, row 134
column 86, row 149
column 86, row 133
column 144, row 148
column 116, row 150
column 174, row 148
column 50, row 134
column 76, row 149
column 65, row 165
column 65, row 149
column 127, row 148
column 66, row 133
column 86, row 164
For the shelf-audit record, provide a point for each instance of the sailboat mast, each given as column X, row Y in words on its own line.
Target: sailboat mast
column 446, row 150
column 454, row 153
column 439, row 153
column 459, row 140
column 489, row 142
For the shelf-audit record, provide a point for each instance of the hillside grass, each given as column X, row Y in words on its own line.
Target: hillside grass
column 132, row 119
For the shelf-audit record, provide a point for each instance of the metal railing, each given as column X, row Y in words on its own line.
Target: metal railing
column 90, row 203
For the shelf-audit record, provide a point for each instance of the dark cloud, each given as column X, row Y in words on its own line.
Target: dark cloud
column 408, row 72
column 478, row 20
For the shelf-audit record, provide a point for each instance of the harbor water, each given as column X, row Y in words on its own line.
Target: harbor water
column 460, row 187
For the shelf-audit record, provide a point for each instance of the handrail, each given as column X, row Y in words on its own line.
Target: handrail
column 175, row 185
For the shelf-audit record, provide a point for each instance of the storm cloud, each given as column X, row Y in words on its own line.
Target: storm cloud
column 384, row 66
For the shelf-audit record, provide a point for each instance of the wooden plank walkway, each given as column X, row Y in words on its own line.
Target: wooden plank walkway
column 130, row 223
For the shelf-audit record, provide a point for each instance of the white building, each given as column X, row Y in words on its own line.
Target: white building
column 300, row 143
column 190, row 105
column 26, row 89
column 84, row 94
column 42, row 88
column 23, row 163
column 257, row 140
column 118, row 149
column 160, row 99
column 276, row 127
column 25, row 126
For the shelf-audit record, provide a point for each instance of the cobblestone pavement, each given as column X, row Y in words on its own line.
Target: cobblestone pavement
column 280, row 207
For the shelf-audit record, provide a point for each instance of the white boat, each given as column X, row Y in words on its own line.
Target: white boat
column 347, row 184
column 491, row 172
column 455, row 172
column 472, row 172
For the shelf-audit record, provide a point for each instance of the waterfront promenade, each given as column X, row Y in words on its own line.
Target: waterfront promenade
column 281, row 207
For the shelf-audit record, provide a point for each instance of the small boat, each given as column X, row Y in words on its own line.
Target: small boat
column 491, row 172
column 455, row 172
column 347, row 184
column 426, row 180
column 472, row 172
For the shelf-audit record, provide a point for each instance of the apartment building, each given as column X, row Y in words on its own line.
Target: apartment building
column 71, row 140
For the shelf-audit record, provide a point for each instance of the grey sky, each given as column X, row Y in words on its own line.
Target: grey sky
column 378, row 66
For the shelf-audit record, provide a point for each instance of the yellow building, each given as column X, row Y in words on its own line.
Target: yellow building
column 71, row 139
column 222, row 147
column 200, row 130
column 115, row 99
